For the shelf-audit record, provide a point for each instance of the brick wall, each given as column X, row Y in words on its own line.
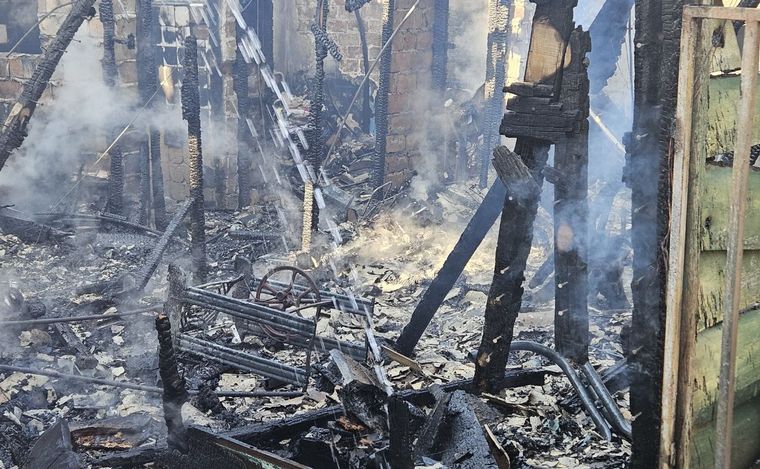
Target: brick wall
column 294, row 46
column 409, row 93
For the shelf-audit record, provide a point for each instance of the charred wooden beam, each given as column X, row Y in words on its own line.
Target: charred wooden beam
column 53, row 450
column 115, row 201
column 404, row 423
column 14, row 129
column 191, row 112
column 505, row 295
column 245, row 142
column 175, row 391
column 382, row 99
column 480, row 223
column 648, row 173
column 571, row 321
column 552, row 25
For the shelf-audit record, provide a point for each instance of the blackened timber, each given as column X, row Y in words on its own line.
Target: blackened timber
column 382, row 99
column 401, row 434
column 244, row 136
column 505, row 295
column 144, row 59
column 151, row 174
column 499, row 17
column 440, row 44
column 175, row 391
column 480, row 223
column 287, row 427
column 191, row 112
column 571, row 321
column 14, row 129
column 115, row 201
column 366, row 115
column 157, row 179
column 149, row 268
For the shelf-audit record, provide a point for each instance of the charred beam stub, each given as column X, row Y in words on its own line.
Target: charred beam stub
column 14, row 129
column 191, row 112
column 244, row 137
column 382, row 100
column 175, row 392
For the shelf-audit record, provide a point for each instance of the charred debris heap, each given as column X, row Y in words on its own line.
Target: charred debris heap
column 201, row 289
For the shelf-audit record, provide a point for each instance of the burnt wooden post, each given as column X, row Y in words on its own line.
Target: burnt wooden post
column 151, row 174
column 14, row 128
column 115, row 200
column 191, row 112
column 174, row 388
column 535, row 119
column 571, row 322
column 382, row 99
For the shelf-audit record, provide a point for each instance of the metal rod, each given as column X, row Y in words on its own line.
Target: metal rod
column 139, row 387
column 93, row 317
column 613, row 414
column 735, row 246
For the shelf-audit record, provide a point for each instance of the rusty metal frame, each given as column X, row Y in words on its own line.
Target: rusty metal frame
column 301, row 331
column 693, row 17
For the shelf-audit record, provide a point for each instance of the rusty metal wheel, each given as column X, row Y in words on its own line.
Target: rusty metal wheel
column 288, row 289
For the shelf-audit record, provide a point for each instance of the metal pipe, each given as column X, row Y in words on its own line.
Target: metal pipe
column 572, row 376
column 139, row 387
column 275, row 368
column 262, row 365
column 93, row 317
column 613, row 414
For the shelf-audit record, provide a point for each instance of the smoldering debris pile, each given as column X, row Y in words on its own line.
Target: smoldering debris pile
column 83, row 414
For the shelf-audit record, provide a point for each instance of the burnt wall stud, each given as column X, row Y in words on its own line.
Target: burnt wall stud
column 115, row 201
column 571, row 322
column 499, row 15
column 14, row 129
column 191, row 112
column 381, row 99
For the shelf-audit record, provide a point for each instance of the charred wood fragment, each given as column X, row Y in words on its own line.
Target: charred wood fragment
column 53, row 450
column 191, row 112
column 175, row 392
column 404, row 421
column 14, row 129
column 244, row 136
column 29, row 231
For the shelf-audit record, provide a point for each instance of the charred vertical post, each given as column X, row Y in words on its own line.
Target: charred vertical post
column 499, row 14
column 244, row 137
column 175, row 392
column 512, row 250
column 151, row 174
column 648, row 172
column 115, row 201
column 191, row 112
column 382, row 99
column 14, row 129
column 528, row 118
column 571, row 322
column 440, row 45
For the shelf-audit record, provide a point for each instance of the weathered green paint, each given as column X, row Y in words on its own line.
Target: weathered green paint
column 714, row 192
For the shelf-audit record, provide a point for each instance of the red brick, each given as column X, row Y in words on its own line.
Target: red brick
column 395, row 143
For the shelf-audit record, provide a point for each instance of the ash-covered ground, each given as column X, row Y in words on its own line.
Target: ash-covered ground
column 390, row 256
